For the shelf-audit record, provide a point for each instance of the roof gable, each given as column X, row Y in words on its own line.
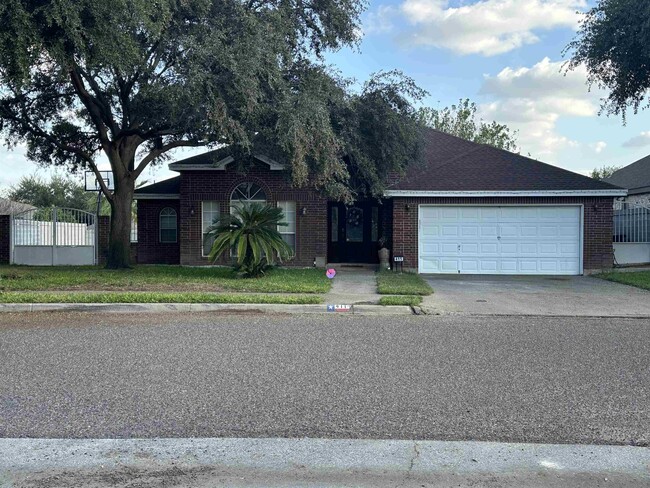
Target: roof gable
column 218, row 160
column 633, row 176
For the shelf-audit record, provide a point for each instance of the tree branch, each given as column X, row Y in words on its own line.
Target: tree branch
column 91, row 105
column 155, row 153
column 101, row 101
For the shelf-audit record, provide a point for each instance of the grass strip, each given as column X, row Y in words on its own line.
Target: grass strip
column 391, row 283
column 392, row 300
column 640, row 279
column 155, row 297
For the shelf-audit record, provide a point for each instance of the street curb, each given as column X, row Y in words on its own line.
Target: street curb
column 199, row 307
column 350, row 462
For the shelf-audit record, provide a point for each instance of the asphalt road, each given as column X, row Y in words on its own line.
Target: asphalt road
column 547, row 380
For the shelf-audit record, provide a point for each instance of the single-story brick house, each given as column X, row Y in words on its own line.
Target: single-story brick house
column 467, row 208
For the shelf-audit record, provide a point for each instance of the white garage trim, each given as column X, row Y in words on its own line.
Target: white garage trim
column 491, row 194
column 570, row 264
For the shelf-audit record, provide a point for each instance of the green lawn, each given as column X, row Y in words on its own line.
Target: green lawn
column 640, row 279
column 153, row 297
column 409, row 300
column 160, row 278
column 391, row 283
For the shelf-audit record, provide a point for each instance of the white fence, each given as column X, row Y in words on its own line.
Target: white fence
column 631, row 233
column 54, row 236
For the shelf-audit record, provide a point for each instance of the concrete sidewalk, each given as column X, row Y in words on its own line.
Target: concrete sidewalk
column 275, row 462
column 353, row 286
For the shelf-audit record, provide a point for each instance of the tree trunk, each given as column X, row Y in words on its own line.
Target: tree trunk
column 119, row 241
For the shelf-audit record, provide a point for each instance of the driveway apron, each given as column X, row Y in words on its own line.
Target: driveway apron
column 570, row 296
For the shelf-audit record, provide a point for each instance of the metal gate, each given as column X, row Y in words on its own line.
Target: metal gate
column 54, row 237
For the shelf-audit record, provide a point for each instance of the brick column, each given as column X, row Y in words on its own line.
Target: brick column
column 5, row 239
column 104, row 230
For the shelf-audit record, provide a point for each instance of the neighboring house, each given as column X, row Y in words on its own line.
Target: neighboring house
column 467, row 208
column 636, row 179
column 9, row 207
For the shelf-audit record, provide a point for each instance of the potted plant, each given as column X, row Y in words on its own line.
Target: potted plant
column 384, row 254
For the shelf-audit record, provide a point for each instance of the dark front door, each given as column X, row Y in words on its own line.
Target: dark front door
column 353, row 232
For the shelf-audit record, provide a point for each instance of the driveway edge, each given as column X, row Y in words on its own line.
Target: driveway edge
column 199, row 307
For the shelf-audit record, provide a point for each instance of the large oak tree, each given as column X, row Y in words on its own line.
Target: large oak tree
column 614, row 44
column 135, row 79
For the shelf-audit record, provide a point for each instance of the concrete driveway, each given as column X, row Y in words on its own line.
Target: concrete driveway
column 571, row 296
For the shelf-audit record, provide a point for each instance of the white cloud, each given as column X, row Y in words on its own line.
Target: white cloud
column 641, row 140
column 598, row 147
column 533, row 99
column 487, row 27
column 379, row 21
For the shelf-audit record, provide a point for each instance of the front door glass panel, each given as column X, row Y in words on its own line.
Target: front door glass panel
column 354, row 225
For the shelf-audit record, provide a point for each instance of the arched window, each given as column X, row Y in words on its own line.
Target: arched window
column 168, row 226
column 245, row 194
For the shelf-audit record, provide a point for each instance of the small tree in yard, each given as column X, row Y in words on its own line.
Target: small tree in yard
column 131, row 80
column 252, row 233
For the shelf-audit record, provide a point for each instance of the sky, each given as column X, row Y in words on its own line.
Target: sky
column 505, row 55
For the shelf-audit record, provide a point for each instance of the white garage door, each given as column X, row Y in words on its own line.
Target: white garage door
column 500, row 240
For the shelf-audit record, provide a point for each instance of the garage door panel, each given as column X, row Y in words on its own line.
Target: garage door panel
column 469, row 265
column 500, row 240
column 489, row 248
column 469, row 231
column 488, row 266
column 449, row 265
column 489, row 231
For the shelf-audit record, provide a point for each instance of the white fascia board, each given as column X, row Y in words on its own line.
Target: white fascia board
column 157, row 196
column 222, row 163
column 543, row 193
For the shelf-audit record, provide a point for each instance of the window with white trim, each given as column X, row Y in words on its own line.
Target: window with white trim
column 168, row 226
column 209, row 215
column 288, row 232
column 245, row 194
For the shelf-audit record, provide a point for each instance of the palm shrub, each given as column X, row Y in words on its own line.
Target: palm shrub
column 251, row 231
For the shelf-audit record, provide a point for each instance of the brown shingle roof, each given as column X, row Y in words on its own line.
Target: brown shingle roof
column 454, row 164
column 635, row 177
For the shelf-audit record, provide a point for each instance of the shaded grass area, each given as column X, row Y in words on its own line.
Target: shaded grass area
column 154, row 297
column 409, row 300
column 160, row 278
column 390, row 283
column 640, row 279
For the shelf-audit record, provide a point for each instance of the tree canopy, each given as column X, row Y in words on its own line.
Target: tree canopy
column 462, row 121
column 603, row 172
column 57, row 191
column 614, row 44
column 134, row 79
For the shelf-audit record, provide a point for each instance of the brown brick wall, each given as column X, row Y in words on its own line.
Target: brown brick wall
column 149, row 248
column 104, row 233
column 5, row 239
column 598, row 250
column 198, row 186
